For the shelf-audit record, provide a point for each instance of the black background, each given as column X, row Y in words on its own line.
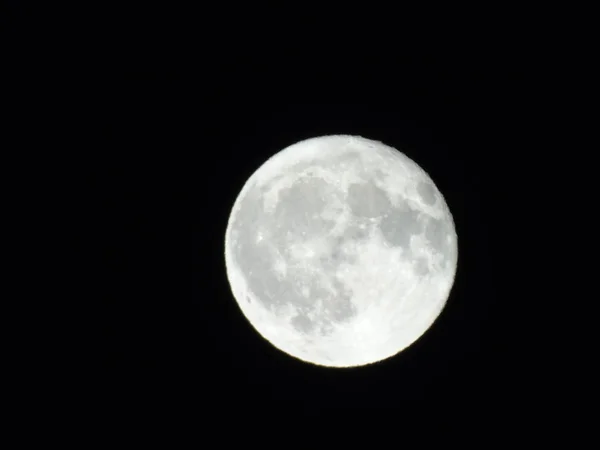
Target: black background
column 176, row 128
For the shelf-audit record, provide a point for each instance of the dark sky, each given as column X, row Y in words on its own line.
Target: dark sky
column 177, row 129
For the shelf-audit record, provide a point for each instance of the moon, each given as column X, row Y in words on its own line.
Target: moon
column 340, row 251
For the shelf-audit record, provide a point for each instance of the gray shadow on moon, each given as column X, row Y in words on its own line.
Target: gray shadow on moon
column 339, row 252
column 300, row 206
column 420, row 266
column 296, row 216
column 403, row 222
column 255, row 259
column 367, row 200
column 399, row 224
column 436, row 233
column 337, row 308
column 303, row 324
column 427, row 192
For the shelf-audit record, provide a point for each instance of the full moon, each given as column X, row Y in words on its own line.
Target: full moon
column 340, row 251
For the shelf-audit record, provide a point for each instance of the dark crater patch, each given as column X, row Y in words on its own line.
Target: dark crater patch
column 339, row 308
column 303, row 324
column 436, row 232
column 255, row 260
column 367, row 200
column 420, row 266
column 294, row 211
column 427, row 193
column 399, row 225
column 299, row 207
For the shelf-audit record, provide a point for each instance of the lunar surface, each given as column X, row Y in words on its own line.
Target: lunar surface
column 340, row 251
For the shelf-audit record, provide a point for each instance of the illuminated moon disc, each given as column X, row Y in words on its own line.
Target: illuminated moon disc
column 340, row 251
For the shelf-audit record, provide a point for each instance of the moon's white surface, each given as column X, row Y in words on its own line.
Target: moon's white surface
column 340, row 251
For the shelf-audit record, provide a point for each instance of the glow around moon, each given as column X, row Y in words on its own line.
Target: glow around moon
column 340, row 251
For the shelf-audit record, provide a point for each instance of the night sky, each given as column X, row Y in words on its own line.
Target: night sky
column 178, row 129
